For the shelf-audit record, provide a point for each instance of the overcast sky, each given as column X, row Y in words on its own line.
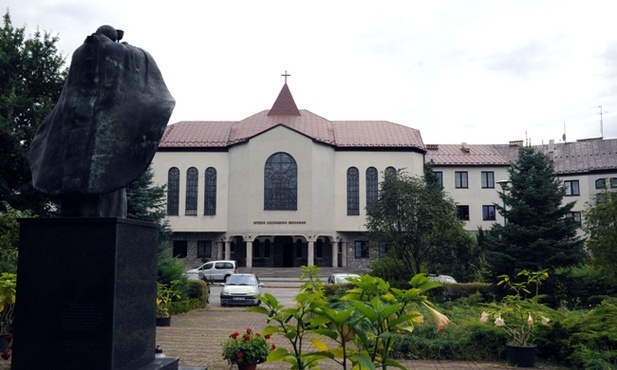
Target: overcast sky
column 457, row 70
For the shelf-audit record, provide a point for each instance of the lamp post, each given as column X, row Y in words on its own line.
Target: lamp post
column 504, row 185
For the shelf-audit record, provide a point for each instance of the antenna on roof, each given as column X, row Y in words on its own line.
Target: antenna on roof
column 563, row 137
column 601, row 122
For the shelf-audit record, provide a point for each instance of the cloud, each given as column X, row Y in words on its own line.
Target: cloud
column 523, row 61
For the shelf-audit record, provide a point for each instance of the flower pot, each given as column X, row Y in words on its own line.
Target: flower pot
column 521, row 356
column 247, row 366
column 163, row 321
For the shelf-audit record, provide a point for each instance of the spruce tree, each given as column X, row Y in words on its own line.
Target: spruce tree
column 537, row 233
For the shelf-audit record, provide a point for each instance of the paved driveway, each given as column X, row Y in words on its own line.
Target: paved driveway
column 196, row 339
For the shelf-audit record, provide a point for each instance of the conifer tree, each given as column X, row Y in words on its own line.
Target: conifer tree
column 538, row 234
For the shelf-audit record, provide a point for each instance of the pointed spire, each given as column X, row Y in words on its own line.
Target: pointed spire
column 284, row 104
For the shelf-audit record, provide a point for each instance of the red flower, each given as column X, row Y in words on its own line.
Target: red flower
column 234, row 335
column 5, row 355
column 267, row 336
column 246, row 337
column 240, row 356
column 9, row 337
column 273, row 346
column 249, row 331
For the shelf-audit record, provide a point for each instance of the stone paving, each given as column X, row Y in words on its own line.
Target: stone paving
column 196, row 337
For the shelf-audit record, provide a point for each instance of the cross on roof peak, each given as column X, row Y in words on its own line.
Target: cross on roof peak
column 285, row 75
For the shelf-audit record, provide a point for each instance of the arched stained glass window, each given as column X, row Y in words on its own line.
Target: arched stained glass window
column 353, row 192
column 192, row 179
column 173, row 191
column 210, row 192
column 281, row 183
column 390, row 171
column 372, row 179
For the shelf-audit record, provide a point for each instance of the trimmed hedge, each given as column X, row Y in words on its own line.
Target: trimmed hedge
column 196, row 293
column 451, row 292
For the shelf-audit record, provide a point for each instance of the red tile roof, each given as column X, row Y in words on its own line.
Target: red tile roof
column 583, row 156
column 359, row 134
column 284, row 104
column 465, row 155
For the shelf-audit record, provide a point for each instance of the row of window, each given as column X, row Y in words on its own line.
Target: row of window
column 573, row 188
column 372, row 188
column 461, row 179
column 488, row 213
column 192, row 186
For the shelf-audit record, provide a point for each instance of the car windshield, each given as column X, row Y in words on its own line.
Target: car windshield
column 241, row 280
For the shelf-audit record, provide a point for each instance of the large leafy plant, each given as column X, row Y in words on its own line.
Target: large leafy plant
column 518, row 313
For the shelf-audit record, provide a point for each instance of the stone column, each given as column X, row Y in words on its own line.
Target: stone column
column 249, row 253
column 310, row 258
column 219, row 250
column 344, row 254
column 227, row 250
column 335, row 247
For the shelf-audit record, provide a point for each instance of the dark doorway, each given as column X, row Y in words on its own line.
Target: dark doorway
column 283, row 251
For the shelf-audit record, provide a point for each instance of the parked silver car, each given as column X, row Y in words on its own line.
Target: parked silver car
column 341, row 278
column 216, row 270
column 241, row 289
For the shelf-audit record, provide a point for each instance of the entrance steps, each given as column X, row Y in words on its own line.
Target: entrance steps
column 293, row 273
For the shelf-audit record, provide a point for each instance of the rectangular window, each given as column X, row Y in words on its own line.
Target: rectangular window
column 488, row 180
column 180, row 248
column 488, row 213
column 576, row 216
column 361, row 249
column 613, row 182
column 572, row 188
column 460, row 180
column 439, row 176
column 204, row 248
column 383, row 250
column 600, row 183
column 463, row 212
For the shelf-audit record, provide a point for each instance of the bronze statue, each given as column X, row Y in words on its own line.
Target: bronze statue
column 105, row 128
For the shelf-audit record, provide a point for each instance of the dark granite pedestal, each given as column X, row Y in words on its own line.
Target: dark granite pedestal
column 86, row 292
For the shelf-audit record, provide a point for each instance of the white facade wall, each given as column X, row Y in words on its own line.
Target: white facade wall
column 474, row 195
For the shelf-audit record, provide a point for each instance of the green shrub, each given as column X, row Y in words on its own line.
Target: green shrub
column 593, row 338
column 197, row 289
column 451, row 292
column 185, row 306
column 170, row 269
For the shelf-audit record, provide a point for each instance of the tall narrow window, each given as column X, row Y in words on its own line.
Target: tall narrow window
column 390, row 171
column 361, row 249
column 488, row 213
column 281, row 183
column 371, row 186
column 439, row 178
column 204, row 248
column 572, row 188
column 460, row 180
column 488, row 179
column 173, row 191
column 210, row 192
column 192, row 178
column 353, row 192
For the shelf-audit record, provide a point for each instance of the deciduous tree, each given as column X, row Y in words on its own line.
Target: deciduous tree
column 31, row 77
column 600, row 224
column 417, row 224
